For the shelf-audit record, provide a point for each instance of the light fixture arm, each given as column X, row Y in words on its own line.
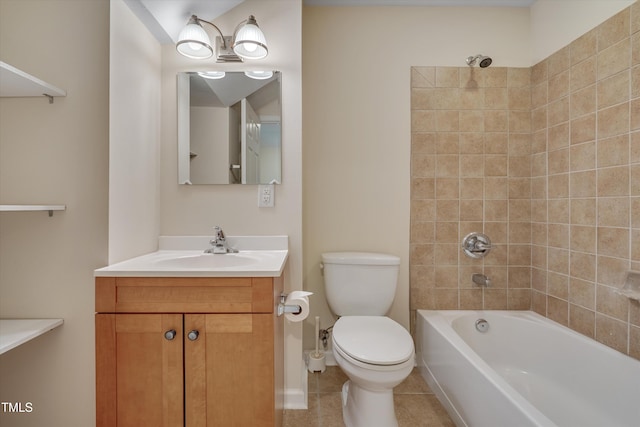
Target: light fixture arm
column 198, row 20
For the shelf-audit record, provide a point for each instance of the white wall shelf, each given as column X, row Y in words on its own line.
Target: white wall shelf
column 15, row 332
column 16, row 83
column 25, row 208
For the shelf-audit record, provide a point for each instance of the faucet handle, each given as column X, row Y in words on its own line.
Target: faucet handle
column 476, row 245
column 219, row 234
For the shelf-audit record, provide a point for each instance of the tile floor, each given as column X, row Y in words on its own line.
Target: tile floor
column 415, row 403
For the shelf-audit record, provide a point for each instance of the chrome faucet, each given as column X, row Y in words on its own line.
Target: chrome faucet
column 219, row 243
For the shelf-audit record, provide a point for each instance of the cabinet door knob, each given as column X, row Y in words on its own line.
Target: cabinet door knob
column 170, row 334
column 193, row 335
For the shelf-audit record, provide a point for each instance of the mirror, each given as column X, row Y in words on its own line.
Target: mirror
column 229, row 128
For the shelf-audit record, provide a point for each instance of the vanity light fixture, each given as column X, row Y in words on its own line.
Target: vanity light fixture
column 247, row 42
column 259, row 74
column 214, row 75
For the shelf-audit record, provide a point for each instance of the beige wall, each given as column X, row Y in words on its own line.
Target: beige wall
column 54, row 154
column 470, row 172
column 196, row 209
column 545, row 161
column 134, row 136
column 357, row 124
column 557, row 23
column 356, row 97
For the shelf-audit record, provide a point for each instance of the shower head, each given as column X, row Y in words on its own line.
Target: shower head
column 485, row 61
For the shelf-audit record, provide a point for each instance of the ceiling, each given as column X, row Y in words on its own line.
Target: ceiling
column 165, row 18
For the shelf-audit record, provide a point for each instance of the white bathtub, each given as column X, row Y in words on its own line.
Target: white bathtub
column 525, row 370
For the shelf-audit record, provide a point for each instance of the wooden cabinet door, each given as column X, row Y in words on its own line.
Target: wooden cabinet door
column 140, row 370
column 229, row 374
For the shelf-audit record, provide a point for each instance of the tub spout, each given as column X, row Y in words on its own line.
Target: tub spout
column 481, row 280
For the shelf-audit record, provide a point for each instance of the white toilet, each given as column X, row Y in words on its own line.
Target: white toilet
column 375, row 352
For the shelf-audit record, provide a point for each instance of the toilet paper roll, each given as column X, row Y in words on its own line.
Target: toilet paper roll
column 301, row 299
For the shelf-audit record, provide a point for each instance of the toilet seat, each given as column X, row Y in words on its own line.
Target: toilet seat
column 373, row 340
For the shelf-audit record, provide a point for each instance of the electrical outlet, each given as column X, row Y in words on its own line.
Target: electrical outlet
column 266, row 196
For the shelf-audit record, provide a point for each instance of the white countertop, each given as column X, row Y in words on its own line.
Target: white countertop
column 183, row 256
column 14, row 332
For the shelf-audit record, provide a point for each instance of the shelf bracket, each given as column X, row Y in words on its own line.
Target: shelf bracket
column 50, row 101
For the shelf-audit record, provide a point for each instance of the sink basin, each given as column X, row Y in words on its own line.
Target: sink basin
column 184, row 256
column 217, row 261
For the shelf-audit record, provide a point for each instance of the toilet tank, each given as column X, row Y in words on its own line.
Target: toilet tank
column 360, row 283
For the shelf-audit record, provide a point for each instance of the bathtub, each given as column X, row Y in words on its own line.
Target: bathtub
column 524, row 370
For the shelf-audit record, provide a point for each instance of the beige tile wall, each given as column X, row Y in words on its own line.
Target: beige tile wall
column 470, row 172
column 546, row 161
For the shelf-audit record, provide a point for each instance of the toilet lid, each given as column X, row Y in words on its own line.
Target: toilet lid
column 376, row 340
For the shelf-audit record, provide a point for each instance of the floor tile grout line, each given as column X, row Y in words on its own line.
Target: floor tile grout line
column 328, row 400
column 318, row 406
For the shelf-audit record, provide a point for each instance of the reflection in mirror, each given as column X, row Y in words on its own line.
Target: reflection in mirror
column 229, row 128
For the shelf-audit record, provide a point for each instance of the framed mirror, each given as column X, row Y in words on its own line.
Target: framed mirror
column 229, row 127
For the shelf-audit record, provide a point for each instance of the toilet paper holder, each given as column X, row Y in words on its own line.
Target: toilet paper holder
column 284, row 308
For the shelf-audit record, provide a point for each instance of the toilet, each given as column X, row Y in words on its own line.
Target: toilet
column 375, row 352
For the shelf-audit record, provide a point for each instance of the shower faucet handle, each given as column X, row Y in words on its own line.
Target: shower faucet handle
column 476, row 245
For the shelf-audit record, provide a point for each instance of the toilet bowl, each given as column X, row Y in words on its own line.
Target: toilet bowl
column 376, row 354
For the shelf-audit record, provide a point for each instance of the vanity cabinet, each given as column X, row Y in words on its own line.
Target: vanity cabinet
column 188, row 351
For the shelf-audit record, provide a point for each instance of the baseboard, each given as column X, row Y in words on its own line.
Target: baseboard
column 296, row 398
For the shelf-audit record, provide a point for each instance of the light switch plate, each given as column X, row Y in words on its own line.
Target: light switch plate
column 266, row 195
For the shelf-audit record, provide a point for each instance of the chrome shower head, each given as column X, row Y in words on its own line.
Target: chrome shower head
column 485, row 61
